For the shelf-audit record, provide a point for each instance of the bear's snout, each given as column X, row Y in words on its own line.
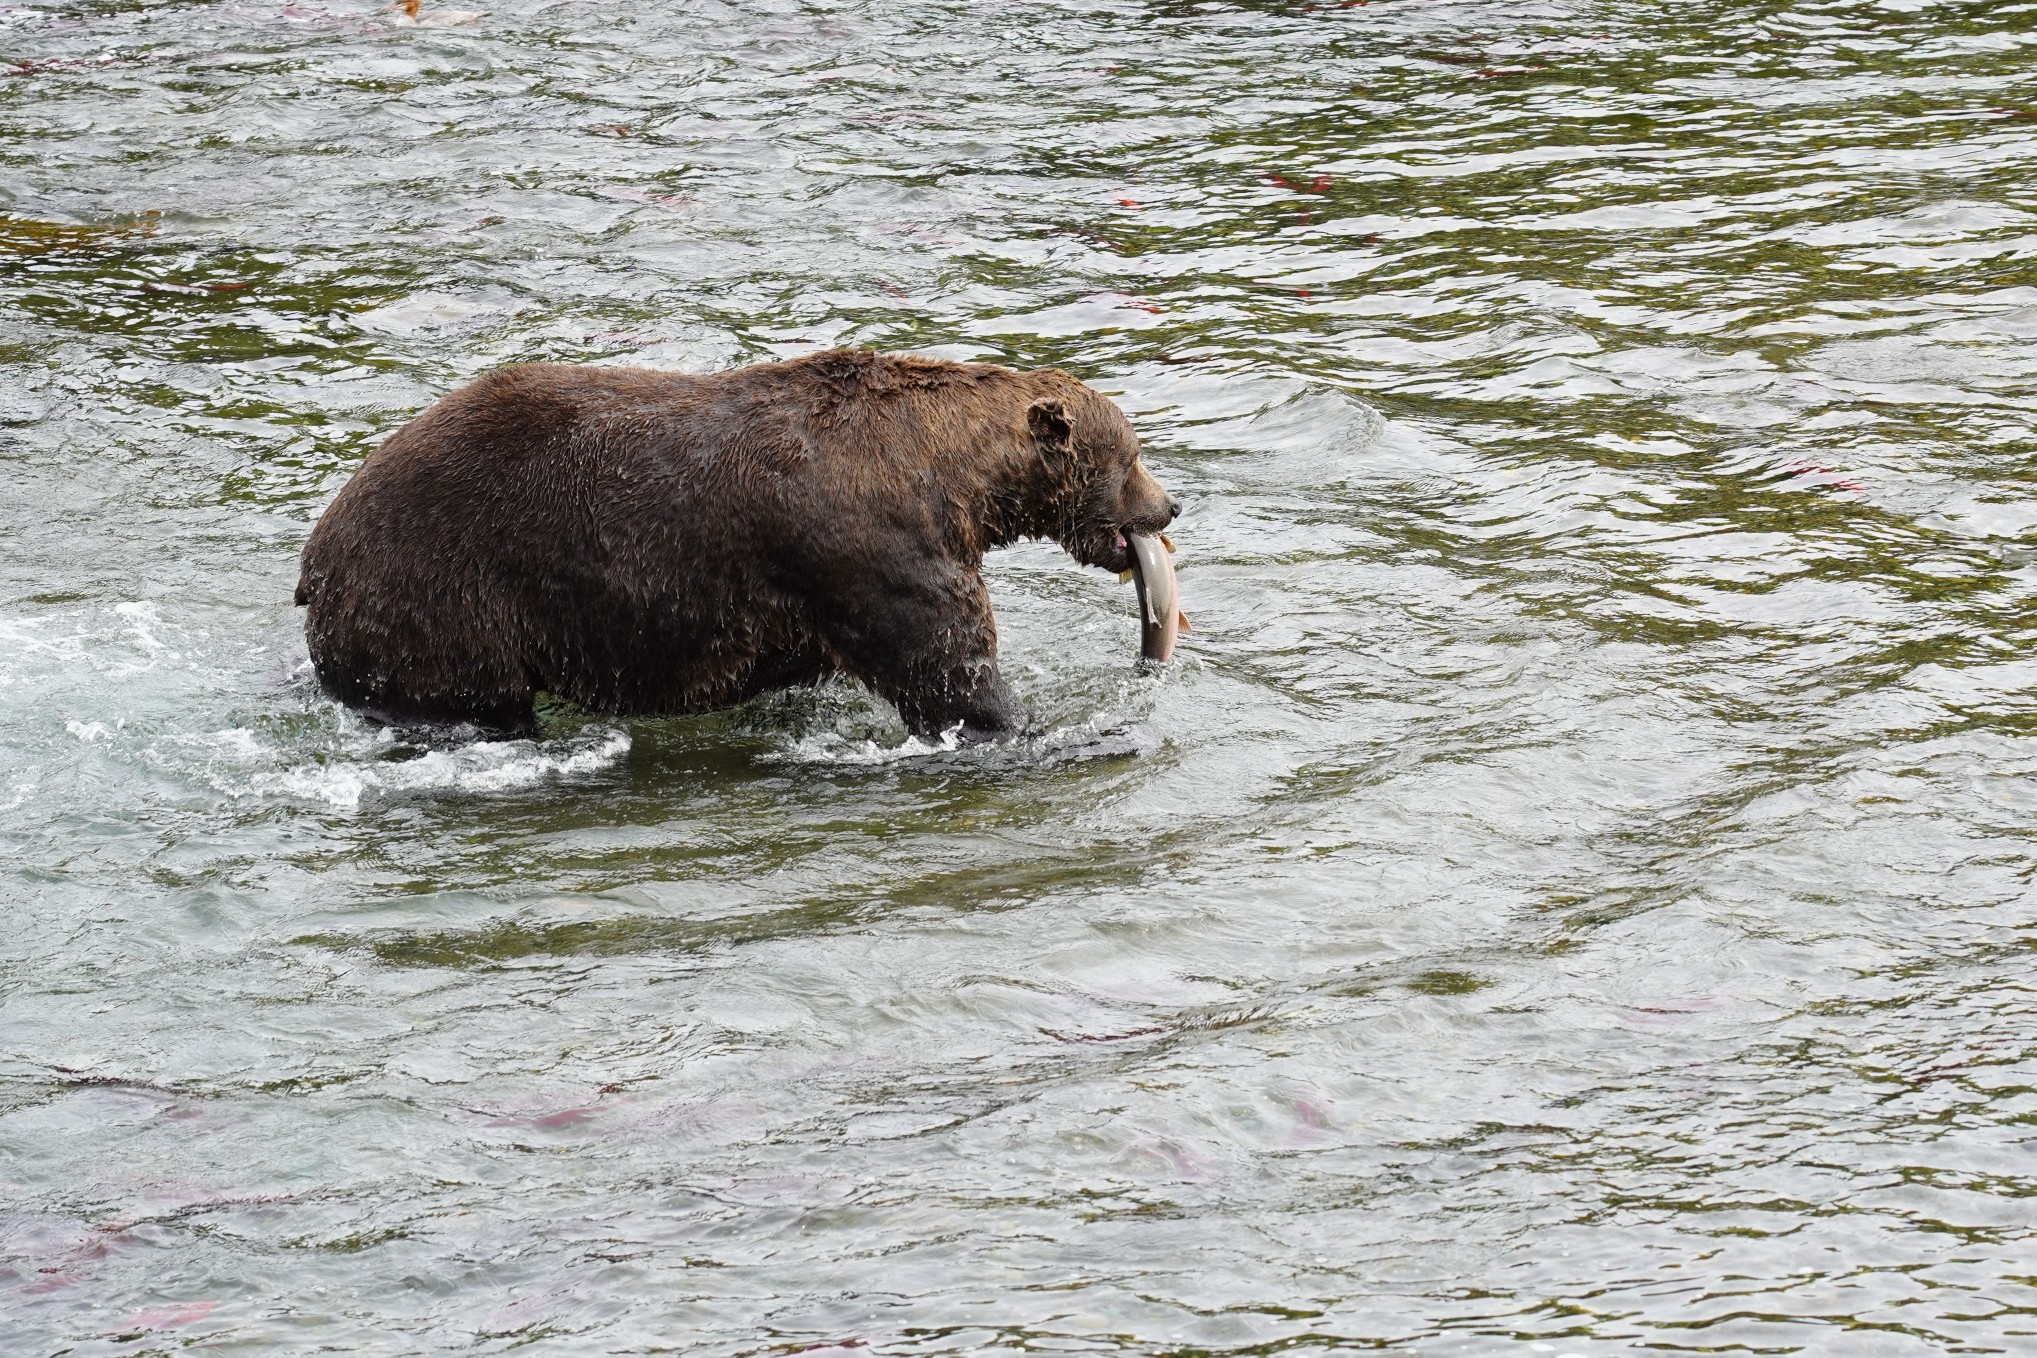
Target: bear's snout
column 1146, row 506
column 1140, row 505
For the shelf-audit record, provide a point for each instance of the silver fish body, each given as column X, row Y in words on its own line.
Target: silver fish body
column 1160, row 617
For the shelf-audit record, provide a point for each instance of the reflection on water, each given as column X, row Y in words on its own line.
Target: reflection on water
column 1572, row 895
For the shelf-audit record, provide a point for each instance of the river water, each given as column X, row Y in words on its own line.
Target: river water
column 1572, row 895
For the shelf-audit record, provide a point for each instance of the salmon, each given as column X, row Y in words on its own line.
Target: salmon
column 1160, row 617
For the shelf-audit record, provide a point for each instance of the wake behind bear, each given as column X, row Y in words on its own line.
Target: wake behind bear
column 643, row 542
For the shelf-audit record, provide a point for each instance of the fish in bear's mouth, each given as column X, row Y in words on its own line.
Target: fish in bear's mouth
column 1161, row 620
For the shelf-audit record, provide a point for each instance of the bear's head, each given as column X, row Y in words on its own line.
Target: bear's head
column 1101, row 491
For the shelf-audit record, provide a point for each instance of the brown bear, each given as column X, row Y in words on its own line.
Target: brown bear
column 642, row 542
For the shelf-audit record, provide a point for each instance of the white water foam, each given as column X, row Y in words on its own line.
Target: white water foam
column 481, row 766
column 143, row 689
column 53, row 647
column 832, row 747
column 26, row 645
column 142, row 620
column 1099, row 737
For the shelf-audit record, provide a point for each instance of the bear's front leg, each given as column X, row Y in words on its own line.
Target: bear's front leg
column 928, row 645
column 939, row 693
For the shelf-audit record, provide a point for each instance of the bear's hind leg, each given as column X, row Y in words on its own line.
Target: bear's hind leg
column 496, row 697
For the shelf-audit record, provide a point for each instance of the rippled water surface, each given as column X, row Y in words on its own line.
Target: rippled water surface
column 1572, row 895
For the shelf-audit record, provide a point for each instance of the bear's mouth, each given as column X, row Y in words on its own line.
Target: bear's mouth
column 1108, row 545
column 1119, row 558
column 1111, row 548
column 1114, row 543
column 1101, row 544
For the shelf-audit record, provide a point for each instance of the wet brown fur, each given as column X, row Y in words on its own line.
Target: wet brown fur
column 646, row 542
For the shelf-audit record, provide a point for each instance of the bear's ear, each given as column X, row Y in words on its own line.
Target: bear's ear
column 1048, row 421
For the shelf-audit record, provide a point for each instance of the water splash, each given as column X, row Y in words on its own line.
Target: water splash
column 344, row 781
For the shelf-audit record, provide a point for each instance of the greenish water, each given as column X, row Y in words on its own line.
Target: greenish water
column 1573, row 895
